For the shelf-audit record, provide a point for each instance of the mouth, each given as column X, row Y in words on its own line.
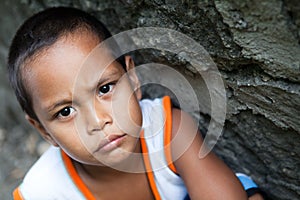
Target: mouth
column 110, row 143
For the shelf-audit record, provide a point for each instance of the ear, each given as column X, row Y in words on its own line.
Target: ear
column 130, row 68
column 41, row 130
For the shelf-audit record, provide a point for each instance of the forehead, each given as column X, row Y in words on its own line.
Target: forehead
column 63, row 50
column 53, row 72
column 60, row 59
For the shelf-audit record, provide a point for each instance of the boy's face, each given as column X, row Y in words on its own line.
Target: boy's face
column 86, row 108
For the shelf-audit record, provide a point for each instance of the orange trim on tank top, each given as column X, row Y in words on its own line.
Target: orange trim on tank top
column 168, row 132
column 86, row 192
column 17, row 194
column 149, row 171
column 75, row 177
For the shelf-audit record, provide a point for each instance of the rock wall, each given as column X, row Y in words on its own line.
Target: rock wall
column 255, row 45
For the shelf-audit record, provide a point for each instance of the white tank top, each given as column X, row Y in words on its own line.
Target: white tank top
column 53, row 176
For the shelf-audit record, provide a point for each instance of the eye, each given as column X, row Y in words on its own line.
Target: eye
column 105, row 89
column 65, row 112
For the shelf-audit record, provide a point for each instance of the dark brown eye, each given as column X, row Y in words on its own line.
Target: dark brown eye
column 105, row 89
column 65, row 112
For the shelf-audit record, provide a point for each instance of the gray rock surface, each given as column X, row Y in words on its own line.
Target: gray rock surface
column 256, row 46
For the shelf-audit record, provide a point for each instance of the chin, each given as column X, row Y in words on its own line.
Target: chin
column 114, row 158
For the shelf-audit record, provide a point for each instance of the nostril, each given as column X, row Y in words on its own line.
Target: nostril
column 96, row 130
column 95, row 127
column 97, row 121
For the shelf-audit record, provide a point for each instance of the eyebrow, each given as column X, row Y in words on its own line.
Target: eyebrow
column 62, row 102
column 105, row 76
column 57, row 104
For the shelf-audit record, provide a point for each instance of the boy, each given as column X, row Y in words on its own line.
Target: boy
column 104, row 138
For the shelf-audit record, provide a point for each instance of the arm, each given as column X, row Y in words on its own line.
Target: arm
column 207, row 178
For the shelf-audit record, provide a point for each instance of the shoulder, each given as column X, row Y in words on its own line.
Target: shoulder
column 46, row 168
column 202, row 176
column 185, row 133
column 181, row 121
column 44, row 165
column 47, row 178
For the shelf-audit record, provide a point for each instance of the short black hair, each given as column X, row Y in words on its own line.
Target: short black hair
column 41, row 31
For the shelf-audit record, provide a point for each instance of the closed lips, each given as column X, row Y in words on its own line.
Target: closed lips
column 111, row 142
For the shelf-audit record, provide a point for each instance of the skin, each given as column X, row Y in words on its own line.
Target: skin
column 210, row 174
column 86, row 115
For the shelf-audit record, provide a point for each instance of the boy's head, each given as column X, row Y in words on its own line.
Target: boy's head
column 73, row 91
column 38, row 33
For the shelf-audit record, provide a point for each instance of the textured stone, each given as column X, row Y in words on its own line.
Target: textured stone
column 255, row 45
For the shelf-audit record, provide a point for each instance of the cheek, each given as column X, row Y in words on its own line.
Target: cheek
column 126, row 111
column 61, row 134
column 135, row 112
column 75, row 145
column 72, row 134
column 64, row 135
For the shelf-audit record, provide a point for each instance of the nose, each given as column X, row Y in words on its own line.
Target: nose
column 98, row 119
